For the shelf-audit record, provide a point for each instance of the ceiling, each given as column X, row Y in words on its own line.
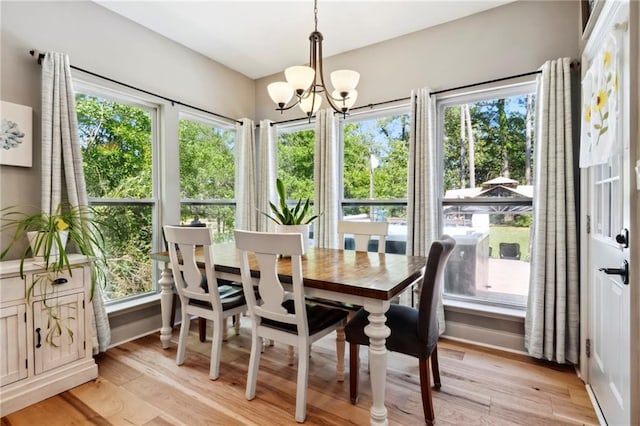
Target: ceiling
column 260, row 38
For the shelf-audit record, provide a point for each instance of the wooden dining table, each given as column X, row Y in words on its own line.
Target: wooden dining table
column 364, row 279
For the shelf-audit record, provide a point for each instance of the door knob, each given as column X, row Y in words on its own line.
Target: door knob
column 623, row 272
column 623, row 238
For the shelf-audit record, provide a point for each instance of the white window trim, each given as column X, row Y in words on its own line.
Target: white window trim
column 93, row 86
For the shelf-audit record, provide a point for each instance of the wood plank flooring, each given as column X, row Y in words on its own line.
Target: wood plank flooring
column 140, row 384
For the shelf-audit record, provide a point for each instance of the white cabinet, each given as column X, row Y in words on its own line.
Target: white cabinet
column 40, row 357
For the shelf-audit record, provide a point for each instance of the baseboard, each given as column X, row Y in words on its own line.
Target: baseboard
column 482, row 336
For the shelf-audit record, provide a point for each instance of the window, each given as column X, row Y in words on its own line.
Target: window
column 374, row 176
column 207, row 174
column 296, row 147
column 119, row 139
column 487, row 151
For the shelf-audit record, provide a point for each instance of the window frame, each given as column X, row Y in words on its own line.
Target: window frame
column 444, row 101
column 343, row 202
column 207, row 120
column 89, row 86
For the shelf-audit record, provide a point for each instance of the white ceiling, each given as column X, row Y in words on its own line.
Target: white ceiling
column 260, row 38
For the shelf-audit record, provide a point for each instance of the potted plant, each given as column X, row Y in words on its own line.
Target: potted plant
column 296, row 219
column 48, row 235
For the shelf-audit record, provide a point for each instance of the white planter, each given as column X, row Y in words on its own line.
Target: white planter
column 35, row 236
column 297, row 229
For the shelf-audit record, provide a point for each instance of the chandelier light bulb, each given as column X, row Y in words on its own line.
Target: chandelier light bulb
column 344, row 81
column 280, row 93
column 300, row 78
column 313, row 100
column 347, row 102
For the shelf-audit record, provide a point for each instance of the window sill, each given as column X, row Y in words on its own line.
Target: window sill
column 123, row 307
column 499, row 312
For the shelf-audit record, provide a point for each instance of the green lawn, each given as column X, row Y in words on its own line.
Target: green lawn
column 509, row 234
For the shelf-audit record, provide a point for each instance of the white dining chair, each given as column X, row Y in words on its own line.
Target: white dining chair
column 283, row 315
column 363, row 232
column 200, row 294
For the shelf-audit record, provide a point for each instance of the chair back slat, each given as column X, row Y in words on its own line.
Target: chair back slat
column 187, row 275
column 267, row 248
column 362, row 233
column 432, row 281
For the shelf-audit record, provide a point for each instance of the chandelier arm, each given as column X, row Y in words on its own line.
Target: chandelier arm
column 324, row 86
column 285, row 108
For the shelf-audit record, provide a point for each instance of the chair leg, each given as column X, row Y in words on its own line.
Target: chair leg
column 425, row 388
column 290, row 355
column 216, row 348
column 236, row 324
column 173, row 310
column 182, row 340
column 225, row 331
column 354, row 366
column 301, row 387
column 202, row 329
column 340, row 353
column 435, row 369
column 254, row 362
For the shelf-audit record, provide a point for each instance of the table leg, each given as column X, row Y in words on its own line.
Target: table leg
column 378, row 333
column 166, row 301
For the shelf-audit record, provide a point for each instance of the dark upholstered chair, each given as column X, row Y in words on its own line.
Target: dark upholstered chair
column 509, row 251
column 413, row 331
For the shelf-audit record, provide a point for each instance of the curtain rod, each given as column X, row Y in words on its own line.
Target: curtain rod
column 40, row 57
column 466, row 86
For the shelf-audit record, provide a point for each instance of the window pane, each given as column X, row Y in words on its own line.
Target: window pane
column 395, row 214
column 375, row 158
column 117, row 149
column 207, row 168
column 375, row 155
column 207, row 176
column 295, row 163
column 488, row 196
column 128, row 244
column 220, row 218
column 491, row 259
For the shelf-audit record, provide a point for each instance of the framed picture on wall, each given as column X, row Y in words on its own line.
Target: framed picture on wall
column 16, row 132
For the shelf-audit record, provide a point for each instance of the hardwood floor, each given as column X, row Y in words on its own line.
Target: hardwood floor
column 140, row 384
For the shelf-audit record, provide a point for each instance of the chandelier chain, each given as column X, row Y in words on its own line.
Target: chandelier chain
column 315, row 13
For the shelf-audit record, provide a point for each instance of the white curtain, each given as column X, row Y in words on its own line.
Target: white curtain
column 267, row 170
column 422, row 182
column 62, row 172
column 552, row 321
column 326, row 193
column 245, row 157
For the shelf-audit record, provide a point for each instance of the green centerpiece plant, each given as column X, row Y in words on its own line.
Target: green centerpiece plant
column 296, row 219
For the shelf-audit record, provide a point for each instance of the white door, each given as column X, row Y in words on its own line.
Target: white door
column 609, row 211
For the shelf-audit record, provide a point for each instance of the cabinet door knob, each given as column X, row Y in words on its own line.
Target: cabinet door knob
column 39, row 338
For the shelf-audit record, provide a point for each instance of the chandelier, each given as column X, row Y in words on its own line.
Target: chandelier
column 307, row 82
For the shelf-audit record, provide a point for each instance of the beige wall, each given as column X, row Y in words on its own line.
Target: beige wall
column 516, row 38
column 98, row 40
